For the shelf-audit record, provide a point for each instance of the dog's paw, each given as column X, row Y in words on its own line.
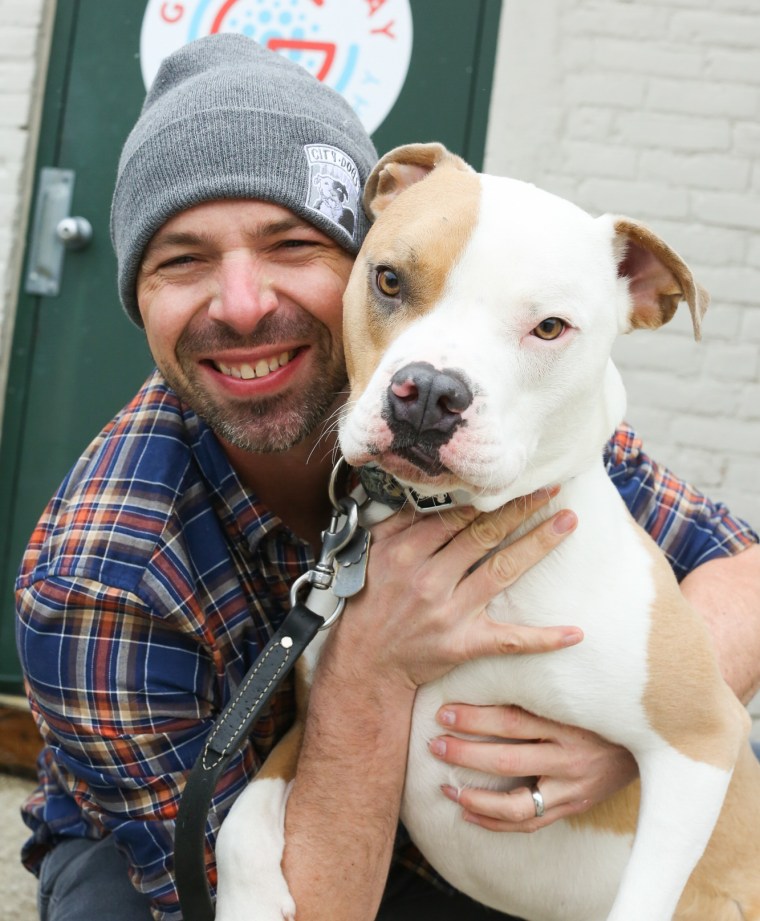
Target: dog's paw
column 249, row 855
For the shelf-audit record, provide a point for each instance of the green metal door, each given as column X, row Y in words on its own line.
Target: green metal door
column 76, row 359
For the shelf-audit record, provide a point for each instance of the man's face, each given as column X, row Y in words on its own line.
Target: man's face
column 242, row 306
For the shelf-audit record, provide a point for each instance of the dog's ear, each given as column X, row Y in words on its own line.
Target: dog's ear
column 658, row 279
column 401, row 168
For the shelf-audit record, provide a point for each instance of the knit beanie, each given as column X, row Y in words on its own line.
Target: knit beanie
column 226, row 118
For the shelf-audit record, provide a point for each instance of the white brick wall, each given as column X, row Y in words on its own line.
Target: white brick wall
column 23, row 29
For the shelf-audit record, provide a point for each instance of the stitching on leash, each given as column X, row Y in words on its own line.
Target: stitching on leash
column 211, row 764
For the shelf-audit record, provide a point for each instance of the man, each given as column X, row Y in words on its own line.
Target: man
column 162, row 566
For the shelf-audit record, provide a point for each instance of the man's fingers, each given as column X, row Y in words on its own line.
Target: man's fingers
column 506, row 566
column 500, row 721
column 511, row 811
column 493, row 639
column 489, row 529
column 455, row 541
column 498, row 759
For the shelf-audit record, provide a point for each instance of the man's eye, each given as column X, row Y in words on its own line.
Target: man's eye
column 550, row 328
column 185, row 259
column 387, row 281
column 296, row 244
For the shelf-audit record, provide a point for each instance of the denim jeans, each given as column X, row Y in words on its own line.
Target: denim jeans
column 85, row 880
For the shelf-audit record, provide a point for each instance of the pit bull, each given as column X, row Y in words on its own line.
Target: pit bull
column 479, row 322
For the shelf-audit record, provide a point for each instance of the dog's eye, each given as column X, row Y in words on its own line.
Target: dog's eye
column 387, row 281
column 550, row 328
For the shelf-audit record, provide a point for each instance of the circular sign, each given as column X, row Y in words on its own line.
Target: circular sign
column 361, row 48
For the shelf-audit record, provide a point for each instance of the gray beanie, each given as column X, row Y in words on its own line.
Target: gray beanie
column 227, row 118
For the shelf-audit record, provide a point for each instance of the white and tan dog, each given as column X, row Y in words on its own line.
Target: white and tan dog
column 479, row 321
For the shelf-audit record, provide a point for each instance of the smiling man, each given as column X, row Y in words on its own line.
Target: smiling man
column 163, row 564
column 264, row 378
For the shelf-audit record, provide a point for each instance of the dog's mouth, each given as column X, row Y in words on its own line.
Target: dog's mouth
column 423, row 456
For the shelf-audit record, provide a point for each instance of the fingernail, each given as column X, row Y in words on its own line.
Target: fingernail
column 564, row 522
column 438, row 747
column 572, row 637
column 447, row 717
column 451, row 792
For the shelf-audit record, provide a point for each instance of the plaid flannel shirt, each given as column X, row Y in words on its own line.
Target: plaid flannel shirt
column 150, row 585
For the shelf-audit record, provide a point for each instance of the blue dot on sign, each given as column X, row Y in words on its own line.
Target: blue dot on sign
column 265, row 16
column 285, row 18
column 250, row 31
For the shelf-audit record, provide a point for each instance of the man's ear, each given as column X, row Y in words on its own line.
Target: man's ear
column 400, row 168
column 658, row 279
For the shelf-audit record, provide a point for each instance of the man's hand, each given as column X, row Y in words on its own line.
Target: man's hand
column 423, row 610
column 575, row 769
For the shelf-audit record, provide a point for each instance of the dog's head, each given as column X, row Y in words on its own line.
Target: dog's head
column 479, row 320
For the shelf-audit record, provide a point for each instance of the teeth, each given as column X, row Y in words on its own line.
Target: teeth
column 263, row 367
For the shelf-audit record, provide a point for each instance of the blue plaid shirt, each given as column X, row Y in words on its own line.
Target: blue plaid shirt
column 149, row 587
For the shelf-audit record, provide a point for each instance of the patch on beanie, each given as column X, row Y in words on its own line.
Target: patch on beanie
column 334, row 185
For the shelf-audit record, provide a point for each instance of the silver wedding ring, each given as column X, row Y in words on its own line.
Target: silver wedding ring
column 538, row 800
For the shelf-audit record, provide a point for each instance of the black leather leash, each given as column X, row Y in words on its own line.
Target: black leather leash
column 228, row 735
column 341, row 568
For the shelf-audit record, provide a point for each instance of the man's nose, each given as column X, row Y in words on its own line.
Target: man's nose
column 244, row 293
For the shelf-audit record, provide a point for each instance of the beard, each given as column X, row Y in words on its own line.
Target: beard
column 268, row 424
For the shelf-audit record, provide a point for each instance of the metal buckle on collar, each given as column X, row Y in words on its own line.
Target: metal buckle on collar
column 428, row 504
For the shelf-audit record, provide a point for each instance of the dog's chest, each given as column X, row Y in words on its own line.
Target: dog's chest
column 598, row 684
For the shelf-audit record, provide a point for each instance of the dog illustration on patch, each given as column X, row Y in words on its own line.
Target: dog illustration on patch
column 332, row 200
column 334, row 186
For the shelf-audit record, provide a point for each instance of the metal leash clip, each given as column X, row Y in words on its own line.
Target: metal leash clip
column 342, row 563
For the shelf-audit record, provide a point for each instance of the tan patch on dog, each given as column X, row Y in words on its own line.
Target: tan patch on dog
column 617, row 814
column 686, row 699
column 421, row 236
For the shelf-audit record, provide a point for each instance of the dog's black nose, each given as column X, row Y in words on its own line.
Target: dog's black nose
column 427, row 401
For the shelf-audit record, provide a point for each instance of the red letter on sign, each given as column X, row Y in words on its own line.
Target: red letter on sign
column 179, row 12
column 375, row 5
column 385, row 31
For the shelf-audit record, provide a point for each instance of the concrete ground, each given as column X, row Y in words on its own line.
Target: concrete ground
column 18, row 888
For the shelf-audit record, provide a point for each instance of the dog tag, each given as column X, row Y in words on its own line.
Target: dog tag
column 351, row 565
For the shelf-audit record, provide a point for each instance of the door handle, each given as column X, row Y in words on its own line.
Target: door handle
column 74, row 232
column 53, row 232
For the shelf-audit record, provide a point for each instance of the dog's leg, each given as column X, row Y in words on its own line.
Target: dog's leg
column 680, row 803
column 726, row 885
column 251, row 840
column 686, row 768
column 683, row 788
